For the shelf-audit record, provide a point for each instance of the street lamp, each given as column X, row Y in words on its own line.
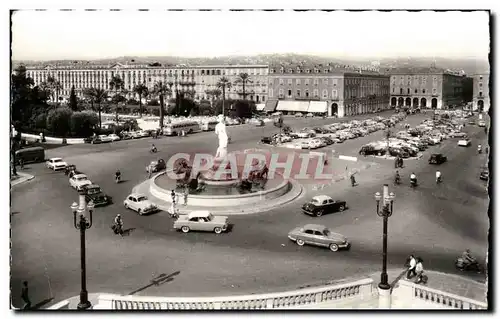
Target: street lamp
column 385, row 211
column 82, row 223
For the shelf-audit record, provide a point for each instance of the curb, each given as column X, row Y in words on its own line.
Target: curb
column 183, row 210
column 419, row 156
column 24, row 178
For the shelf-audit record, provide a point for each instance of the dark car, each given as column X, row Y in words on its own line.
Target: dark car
column 437, row 159
column 371, row 150
column 326, row 140
column 266, row 140
column 156, row 166
column 69, row 169
column 94, row 193
column 88, row 139
column 323, row 204
column 393, row 151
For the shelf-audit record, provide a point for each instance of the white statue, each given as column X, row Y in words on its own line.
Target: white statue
column 220, row 130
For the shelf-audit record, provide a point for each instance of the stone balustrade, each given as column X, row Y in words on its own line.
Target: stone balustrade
column 425, row 297
column 358, row 290
column 51, row 140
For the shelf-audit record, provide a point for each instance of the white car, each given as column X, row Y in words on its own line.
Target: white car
column 140, row 204
column 105, row 138
column 142, row 134
column 114, row 137
column 481, row 124
column 56, row 163
column 464, row 142
column 78, row 181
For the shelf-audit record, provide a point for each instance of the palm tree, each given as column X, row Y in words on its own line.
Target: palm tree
column 142, row 91
column 117, row 85
column 55, row 87
column 98, row 96
column 224, row 84
column 89, row 95
column 243, row 78
column 161, row 90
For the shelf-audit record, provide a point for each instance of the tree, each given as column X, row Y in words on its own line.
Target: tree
column 117, row 85
column 243, row 79
column 58, row 121
column 142, row 91
column 224, row 84
column 54, row 87
column 89, row 94
column 83, row 123
column 73, row 103
column 244, row 109
column 161, row 90
column 97, row 96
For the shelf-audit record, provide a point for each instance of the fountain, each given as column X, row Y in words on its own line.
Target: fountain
column 214, row 187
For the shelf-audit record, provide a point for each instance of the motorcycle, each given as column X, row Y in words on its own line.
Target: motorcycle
column 117, row 229
column 462, row 265
column 438, row 180
column 421, row 279
column 413, row 183
column 118, row 179
column 153, row 150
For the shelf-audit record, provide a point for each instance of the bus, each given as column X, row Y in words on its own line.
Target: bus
column 31, row 154
column 177, row 128
column 208, row 125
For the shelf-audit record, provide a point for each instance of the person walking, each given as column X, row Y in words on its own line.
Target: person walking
column 186, row 194
column 419, row 268
column 25, row 296
column 411, row 268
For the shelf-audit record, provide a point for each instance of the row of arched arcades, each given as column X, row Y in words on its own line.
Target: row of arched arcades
column 416, row 102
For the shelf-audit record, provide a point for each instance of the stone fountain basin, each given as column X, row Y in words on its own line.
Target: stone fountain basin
column 158, row 189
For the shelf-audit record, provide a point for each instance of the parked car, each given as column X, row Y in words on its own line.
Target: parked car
column 96, row 140
column 114, row 137
column 437, row 159
column 56, row 163
column 78, row 181
column 156, row 166
column 140, row 204
column 201, row 220
column 105, row 139
column 299, row 115
column 318, row 235
column 464, row 142
column 481, row 123
column 323, row 204
column 371, row 150
column 266, row 140
column 95, row 194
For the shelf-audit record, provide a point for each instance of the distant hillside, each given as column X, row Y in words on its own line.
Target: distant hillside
column 469, row 65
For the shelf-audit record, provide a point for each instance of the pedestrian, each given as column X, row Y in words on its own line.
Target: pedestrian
column 419, row 268
column 172, row 194
column 353, row 180
column 401, row 162
column 25, row 296
column 396, row 162
column 21, row 163
column 150, row 172
column 411, row 267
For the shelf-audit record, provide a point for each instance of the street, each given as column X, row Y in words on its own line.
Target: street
column 436, row 222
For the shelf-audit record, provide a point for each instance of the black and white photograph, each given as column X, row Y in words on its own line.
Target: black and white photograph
column 225, row 160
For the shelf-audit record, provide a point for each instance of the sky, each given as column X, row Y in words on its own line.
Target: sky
column 45, row 35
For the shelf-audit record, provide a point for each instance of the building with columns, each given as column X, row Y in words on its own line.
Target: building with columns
column 194, row 79
column 428, row 88
column 481, row 92
column 326, row 90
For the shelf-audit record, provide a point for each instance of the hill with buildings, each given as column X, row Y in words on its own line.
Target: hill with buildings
column 468, row 65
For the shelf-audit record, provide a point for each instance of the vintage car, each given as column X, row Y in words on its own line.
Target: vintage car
column 484, row 174
column 464, row 142
column 481, row 123
column 73, row 173
column 114, row 137
column 140, row 204
column 56, row 163
column 105, row 139
column 201, row 220
column 94, row 193
column 437, row 159
column 156, row 166
column 266, row 140
column 70, row 168
column 318, row 235
column 79, row 181
column 323, row 204
column 96, row 140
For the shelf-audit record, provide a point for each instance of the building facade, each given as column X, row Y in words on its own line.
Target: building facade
column 327, row 89
column 428, row 88
column 481, row 92
column 193, row 79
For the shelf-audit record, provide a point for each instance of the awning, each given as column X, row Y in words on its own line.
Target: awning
column 260, row 106
column 317, row 107
column 271, row 105
column 293, row 106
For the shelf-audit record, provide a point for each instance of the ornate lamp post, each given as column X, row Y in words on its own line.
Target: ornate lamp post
column 385, row 212
column 82, row 223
